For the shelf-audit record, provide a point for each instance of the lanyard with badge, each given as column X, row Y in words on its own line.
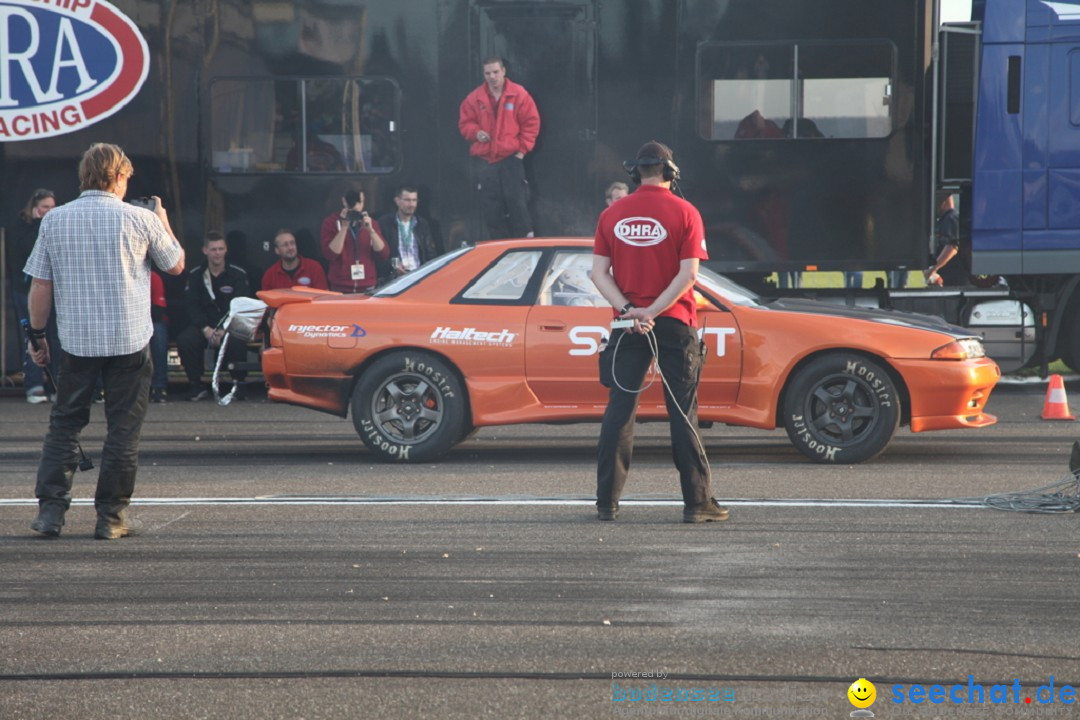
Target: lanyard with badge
column 408, row 244
column 357, row 269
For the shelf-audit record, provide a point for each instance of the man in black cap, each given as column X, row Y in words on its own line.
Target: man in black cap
column 645, row 262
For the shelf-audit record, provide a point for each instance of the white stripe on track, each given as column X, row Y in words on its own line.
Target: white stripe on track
column 966, row 503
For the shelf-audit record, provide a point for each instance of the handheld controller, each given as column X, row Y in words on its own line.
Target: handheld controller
column 621, row 323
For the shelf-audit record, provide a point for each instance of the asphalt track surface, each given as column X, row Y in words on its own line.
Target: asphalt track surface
column 279, row 572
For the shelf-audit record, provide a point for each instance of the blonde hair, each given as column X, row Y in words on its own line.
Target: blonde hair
column 616, row 186
column 102, row 165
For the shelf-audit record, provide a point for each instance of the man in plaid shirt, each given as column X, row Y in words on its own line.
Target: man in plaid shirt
column 92, row 260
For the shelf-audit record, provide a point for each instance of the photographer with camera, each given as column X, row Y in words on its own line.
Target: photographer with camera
column 351, row 243
column 92, row 260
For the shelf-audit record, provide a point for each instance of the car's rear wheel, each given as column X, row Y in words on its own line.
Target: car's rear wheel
column 409, row 406
column 841, row 408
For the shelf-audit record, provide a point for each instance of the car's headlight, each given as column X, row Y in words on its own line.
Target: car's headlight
column 962, row 349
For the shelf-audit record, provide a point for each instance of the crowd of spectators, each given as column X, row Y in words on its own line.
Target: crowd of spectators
column 357, row 255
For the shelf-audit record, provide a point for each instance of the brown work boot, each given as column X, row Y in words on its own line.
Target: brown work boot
column 711, row 511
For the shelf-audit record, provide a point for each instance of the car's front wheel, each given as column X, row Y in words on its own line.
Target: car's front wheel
column 409, row 406
column 841, row 408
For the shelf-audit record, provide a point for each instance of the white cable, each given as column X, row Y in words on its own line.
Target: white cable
column 654, row 347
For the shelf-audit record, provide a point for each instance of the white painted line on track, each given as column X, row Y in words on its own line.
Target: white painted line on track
column 294, row 500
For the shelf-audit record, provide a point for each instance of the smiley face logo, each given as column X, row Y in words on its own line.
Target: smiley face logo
column 862, row 693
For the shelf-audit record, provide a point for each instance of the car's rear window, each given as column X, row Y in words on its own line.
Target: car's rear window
column 406, row 281
column 725, row 288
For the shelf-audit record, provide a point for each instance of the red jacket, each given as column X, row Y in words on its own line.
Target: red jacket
column 309, row 274
column 356, row 249
column 514, row 130
column 158, row 301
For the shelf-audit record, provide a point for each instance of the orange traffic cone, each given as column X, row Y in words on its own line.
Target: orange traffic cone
column 1056, row 406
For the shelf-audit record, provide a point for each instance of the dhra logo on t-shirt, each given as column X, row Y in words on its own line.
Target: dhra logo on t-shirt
column 640, row 231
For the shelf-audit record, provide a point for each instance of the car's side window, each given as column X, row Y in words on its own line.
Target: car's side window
column 507, row 279
column 568, row 282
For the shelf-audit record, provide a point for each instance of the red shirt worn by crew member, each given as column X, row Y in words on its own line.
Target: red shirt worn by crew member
column 308, row 274
column 644, row 255
column 158, row 302
column 357, row 248
column 513, row 122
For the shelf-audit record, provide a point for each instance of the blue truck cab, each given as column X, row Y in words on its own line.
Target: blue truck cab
column 1024, row 209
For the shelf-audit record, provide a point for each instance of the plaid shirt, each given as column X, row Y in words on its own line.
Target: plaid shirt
column 96, row 250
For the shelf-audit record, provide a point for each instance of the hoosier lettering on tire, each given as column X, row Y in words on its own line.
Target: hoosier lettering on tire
column 841, row 408
column 409, row 407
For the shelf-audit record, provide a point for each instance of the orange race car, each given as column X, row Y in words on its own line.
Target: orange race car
column 509, row 332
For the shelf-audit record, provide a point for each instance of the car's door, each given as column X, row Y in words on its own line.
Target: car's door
column 722, row 373
column 564, row 333
column 570, row 323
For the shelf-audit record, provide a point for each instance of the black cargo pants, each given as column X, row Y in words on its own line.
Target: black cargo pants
column 680, row 358
column 127, row 392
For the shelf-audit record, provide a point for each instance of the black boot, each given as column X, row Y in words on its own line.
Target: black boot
column 49, row 520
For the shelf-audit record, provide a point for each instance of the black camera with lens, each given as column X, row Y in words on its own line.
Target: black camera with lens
column 143, row 202
column 355, row 216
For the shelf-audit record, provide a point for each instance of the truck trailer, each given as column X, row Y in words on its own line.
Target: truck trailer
column 812, row 135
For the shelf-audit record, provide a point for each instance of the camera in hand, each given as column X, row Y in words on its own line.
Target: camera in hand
column 355, row 216
column 143, row 202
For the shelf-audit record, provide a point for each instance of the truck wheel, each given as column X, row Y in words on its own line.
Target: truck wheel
column 841, row 408
column 409, row 407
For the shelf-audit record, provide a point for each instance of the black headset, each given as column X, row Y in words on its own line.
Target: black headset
column 671, row 170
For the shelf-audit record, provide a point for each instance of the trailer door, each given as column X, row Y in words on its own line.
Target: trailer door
column 958, row 78
column 549, row 48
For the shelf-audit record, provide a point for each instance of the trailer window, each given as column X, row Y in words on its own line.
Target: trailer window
column 304, row 125
column 796, row 91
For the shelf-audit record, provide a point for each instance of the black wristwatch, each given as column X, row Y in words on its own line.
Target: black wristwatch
column 35, row 333
column 627, row 307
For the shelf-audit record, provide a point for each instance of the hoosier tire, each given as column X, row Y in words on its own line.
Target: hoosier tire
column 409, row 406
column 841, row 408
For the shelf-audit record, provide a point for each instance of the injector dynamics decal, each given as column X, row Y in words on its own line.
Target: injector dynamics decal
column 327, row 331
column 587, row 339
column 65, row 65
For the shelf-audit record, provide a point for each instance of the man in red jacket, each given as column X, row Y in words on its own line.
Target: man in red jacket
column 292, row 269
column 500, row 119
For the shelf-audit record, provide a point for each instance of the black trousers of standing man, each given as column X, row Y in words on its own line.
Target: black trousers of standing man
column 127, row 392
column 680, row 359
column 504, row 197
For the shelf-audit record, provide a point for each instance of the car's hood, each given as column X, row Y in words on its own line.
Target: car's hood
column 891, row 317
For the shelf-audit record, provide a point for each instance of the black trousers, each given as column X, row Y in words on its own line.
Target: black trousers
column 191, row 344
column 504, row 197
column 680, row 362
column 127, row 392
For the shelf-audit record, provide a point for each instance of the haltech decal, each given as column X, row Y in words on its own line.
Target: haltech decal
column 64, row 65
column 472, row 336
column 640, row 231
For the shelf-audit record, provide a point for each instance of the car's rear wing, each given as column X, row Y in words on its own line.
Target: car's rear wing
column 287, row 296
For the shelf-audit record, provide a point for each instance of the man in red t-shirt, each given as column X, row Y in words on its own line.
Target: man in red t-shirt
column 351, row 242
column 645, row 262
column 293, row 268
